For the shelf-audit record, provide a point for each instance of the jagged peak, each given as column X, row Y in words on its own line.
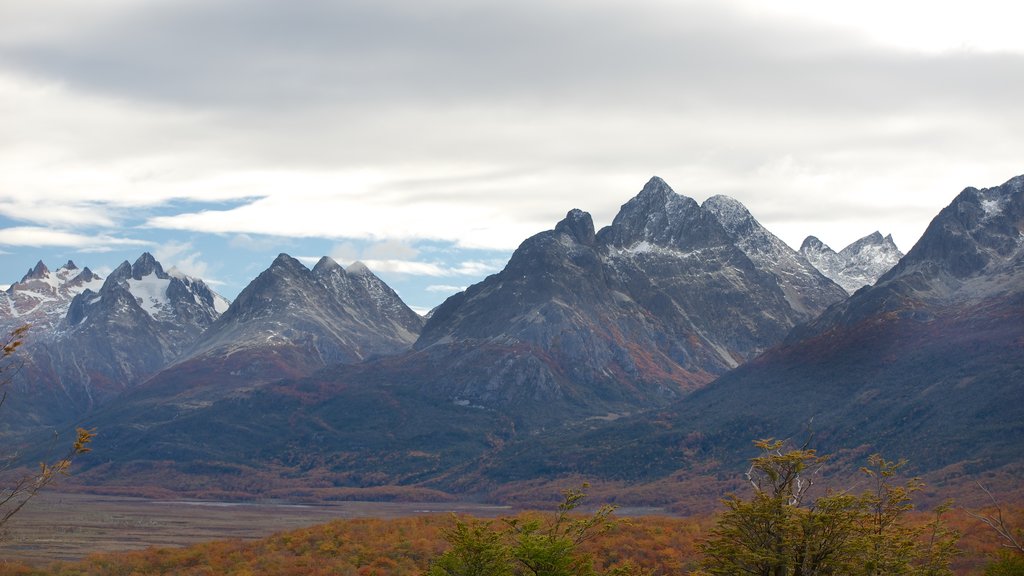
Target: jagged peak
column 86, row 275
column 873, row 239
column 579, row 225
column 145, row 265
column 70, row 265
column 38, row 271
column 123, row 269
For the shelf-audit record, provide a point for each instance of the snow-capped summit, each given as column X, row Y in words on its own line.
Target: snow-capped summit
column 92, row 338
column 41, row 298
column 859, row 264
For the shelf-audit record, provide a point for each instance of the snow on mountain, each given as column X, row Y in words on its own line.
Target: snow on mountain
column 860, row 264
column 42, row 297
column 93, row 338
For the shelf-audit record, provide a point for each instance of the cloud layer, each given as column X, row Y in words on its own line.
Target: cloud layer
column 479, row 123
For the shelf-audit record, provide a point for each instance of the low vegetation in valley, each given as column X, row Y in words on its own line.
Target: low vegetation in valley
column 784, row 523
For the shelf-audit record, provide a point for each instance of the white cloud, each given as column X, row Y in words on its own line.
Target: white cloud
column 444, row 288
column 920, row 25
column 390, row 249
column 36, row 236
column 183, row 257
column 414, row 268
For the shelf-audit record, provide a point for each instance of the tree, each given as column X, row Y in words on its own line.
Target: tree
column 20, row 486
column 476, row 550
column 530, row 546
column 786, row 529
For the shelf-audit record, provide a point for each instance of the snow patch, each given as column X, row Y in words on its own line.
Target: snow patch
column 992, row 208
column 151, row 293
column 220, row 303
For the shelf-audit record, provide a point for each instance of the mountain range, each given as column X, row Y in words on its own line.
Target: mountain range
column 661, row 343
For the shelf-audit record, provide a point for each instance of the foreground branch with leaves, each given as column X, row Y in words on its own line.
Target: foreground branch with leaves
column 19, row 485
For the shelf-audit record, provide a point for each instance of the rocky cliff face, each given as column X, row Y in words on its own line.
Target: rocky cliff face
column 860, row 264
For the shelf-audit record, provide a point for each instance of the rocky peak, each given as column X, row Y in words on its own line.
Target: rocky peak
column 579, row 225
column 83, row 277
column 287, row 265
column 812, row 243
column 36, row 272
column 873, row 239
column 859, row 264
column 70, row 265
column 326, row 265
column 731, row 213
column 659, row 216
column 146, row 265
column 120, row 275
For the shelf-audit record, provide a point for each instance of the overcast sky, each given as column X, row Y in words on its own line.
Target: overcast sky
column 429, row 138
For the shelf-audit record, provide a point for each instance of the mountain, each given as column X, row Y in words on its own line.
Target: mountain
column 219, row 408
column 110, row 337
column 289, row 322
column 653, row 306
column 579, row 326
column 926, row 364
column 41, row 298
column 860, row 264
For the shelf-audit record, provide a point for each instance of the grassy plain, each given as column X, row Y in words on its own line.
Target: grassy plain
column 57, row 526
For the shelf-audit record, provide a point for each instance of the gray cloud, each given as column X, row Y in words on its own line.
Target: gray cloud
column 535, row 107
column 273, row 56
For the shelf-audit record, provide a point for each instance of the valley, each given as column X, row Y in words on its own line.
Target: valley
column 71, row 526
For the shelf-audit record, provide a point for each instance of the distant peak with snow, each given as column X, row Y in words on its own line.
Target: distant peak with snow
column 860, row 264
